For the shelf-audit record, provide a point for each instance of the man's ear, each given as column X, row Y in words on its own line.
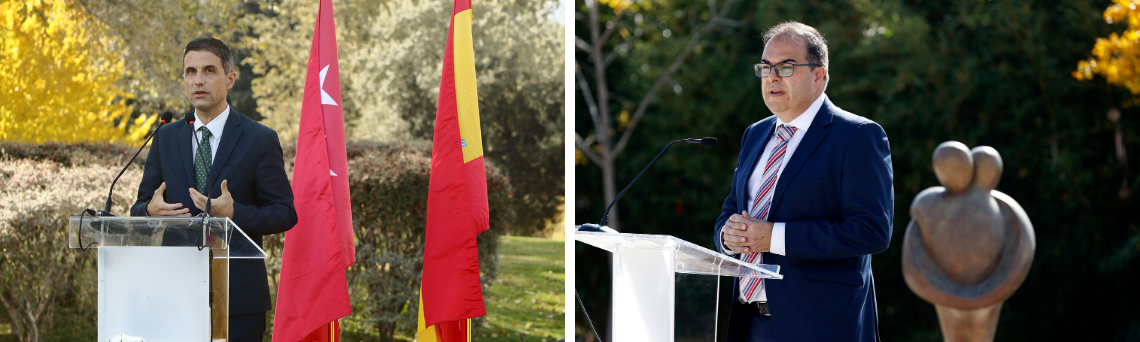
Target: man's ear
column 820, row 73
column 230, row 79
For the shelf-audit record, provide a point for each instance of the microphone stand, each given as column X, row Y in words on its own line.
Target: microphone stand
column 606, row 216
column 107, row 207
column 601, row 227
column 106, row 212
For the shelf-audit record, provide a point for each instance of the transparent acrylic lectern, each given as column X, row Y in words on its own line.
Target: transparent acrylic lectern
column 644, row 267
column 163, row 279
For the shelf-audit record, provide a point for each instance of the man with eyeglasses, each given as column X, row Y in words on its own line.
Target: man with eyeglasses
column 811, row 193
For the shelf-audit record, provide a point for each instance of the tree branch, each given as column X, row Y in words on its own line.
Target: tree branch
column 585, row 148
column 610, row 28
column 600, row 82
column 583, row 45
column 590, row 103
column 613, row 54
column 693, row 41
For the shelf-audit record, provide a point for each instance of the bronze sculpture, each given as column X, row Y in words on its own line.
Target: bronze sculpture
column 968, row 247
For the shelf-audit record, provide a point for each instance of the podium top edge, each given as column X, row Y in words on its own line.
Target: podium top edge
column 667, row 239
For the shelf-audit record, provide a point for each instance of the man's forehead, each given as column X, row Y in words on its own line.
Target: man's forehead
column 200, row 59
column 785, row 47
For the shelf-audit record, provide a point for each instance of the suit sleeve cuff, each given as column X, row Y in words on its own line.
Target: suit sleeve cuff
column 724, row 247
column 778, row 246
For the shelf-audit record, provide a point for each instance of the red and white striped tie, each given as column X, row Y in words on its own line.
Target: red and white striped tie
column 749, row 286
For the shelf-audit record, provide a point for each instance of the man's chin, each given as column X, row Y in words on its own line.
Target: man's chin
column 202, row 106
column 776, row 107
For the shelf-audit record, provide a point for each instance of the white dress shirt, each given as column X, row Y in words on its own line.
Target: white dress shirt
column 215, row 126
column 801, row 123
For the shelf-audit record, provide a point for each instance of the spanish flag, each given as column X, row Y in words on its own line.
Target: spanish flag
column 450, row 294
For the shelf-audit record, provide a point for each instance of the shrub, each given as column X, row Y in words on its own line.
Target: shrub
column 71, row 154
column 44, row 282
column 389, row 187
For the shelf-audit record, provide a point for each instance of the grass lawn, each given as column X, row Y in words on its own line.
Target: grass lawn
column 527, row 297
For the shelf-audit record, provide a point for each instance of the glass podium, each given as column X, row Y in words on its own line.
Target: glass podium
column 645, row 277
column 163, row 279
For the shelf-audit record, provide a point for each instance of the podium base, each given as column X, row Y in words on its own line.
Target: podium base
column 156, row 293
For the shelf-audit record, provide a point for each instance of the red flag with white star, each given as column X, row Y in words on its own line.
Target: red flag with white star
column 313, row 291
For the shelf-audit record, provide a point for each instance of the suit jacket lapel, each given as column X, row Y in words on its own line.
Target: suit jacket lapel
column 753, row 160
column 230, row 137
column 182, row 138
column 807, row 145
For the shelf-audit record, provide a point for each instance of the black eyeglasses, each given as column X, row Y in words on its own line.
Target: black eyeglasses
column 783, row 69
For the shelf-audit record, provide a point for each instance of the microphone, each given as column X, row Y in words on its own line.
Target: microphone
column 166, row 117
column 705, row 141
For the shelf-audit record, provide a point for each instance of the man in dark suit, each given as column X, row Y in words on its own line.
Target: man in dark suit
column 242, row 161
column 811, row 193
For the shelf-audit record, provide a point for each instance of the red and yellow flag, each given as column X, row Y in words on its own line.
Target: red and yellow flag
column 450, row 294
column 313, row 292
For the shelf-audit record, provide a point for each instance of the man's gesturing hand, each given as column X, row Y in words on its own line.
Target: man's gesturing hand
column 159, row 207
column 223, row 206
column 744, row 234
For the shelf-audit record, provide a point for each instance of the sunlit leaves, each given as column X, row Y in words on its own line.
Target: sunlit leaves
column 1117, row 57
column 58, row 74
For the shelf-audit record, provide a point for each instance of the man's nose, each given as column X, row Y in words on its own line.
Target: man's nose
column 195, row 79
column 774, row 77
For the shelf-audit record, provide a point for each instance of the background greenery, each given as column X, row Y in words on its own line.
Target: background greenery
column 980, row 72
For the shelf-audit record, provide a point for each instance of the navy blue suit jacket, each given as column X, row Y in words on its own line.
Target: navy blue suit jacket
column 249, row 156
column 836, row 200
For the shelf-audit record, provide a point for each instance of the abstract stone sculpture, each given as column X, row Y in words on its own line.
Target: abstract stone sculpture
column 968, row 246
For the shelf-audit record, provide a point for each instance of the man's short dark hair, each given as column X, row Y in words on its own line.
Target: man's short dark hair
column 816, row 45
column 214, row 46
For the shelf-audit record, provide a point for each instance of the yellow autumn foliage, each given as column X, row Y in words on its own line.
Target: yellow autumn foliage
column 1117, row 57
column 58, row 74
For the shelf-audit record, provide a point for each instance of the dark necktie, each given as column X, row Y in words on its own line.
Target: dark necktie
column 202, row 160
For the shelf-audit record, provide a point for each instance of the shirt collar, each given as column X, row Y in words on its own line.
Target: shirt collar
column 216, row 125
column 803, row 121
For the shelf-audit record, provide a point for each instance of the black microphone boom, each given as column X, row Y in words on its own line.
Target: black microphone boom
column 705, row 141
column 166, row 117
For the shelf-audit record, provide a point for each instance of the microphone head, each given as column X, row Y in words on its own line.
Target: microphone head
column 707, row 141
column 590, row 227
column 167, row 116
